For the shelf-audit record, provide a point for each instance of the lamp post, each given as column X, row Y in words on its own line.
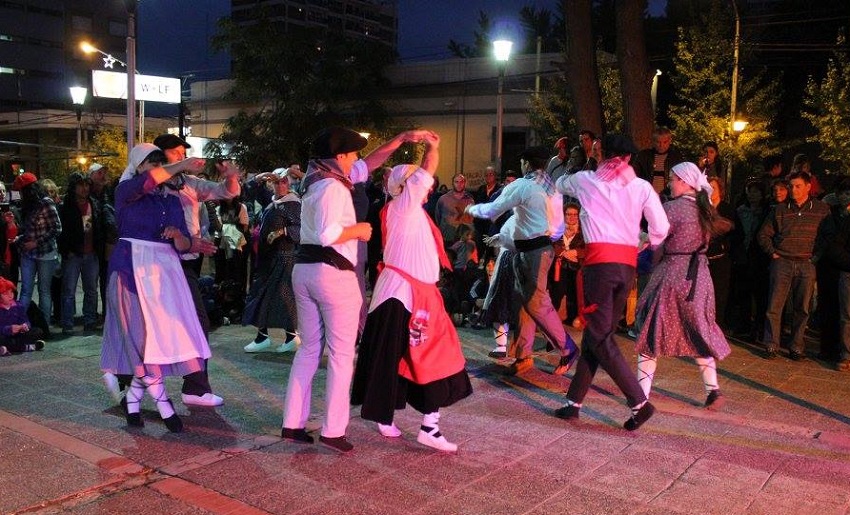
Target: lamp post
column 78, row 96
column 502, row 52
column 130, row 65
column 654, row 91
column 738, row 126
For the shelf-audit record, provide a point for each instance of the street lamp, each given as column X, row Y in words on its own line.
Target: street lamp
column 78, row 95
column 654, row 90
column 502, row 52
column 109, row 60
column 738, row 125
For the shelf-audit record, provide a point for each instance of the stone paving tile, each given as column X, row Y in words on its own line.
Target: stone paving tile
column 139, row 500
column 475, row 503
column 352, row 504
column 581, row 500
column 629, row 482
column 22, row 467
column 731, row 488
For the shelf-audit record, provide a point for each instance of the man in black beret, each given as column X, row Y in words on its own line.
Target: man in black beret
column 325, row 279
column 539, row 213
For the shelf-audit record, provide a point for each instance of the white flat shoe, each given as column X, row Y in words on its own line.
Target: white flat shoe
column 259, row 346
column 289, row 346
column 390, row 431
column 207, row 399
column 431, row 437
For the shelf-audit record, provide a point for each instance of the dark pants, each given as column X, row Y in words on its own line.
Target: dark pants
column 19, row 342
column 607, row 286
column 797, row 279
column 565, row 289
column 196, row 383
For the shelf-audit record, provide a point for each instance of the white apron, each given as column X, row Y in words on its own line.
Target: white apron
column 173, row 333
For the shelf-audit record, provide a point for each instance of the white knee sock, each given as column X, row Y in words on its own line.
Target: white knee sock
column 134, row 395
column 500, row 334
column 646, row 372
column 431, row 420
column 156, row 389
column 708, row 369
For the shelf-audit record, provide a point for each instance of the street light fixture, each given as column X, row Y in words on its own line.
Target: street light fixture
column 502, row 52
column 78, row 96
column 130, row 65
column 738, row 126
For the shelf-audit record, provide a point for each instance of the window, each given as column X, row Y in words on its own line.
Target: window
column 81, row 23
column 118, row 28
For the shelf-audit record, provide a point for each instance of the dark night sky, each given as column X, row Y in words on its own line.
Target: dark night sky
column 174, row 35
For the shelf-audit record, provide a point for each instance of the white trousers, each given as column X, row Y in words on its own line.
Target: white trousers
column 328, row 302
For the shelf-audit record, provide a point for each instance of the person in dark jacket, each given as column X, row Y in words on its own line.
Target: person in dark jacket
column 79, row 244
column 654, row 164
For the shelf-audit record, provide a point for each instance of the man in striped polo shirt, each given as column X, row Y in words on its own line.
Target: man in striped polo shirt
column 788, row 237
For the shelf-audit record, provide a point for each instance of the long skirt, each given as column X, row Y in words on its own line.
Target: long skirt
column 124, row 335
column 671, row 323
column 500, row 305
column 271, row 302
column 377, row 385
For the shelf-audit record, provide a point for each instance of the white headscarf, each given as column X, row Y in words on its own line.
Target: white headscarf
column 280, row 173
column 693, row 177
column 137, row 156
column 398, row 177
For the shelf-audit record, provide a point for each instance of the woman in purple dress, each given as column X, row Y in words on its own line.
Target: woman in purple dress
column 151, row 328
column 676, row 311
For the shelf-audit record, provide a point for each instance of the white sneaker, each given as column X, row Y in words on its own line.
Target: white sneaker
column 207, row 399
column 111, row 383
column 390, row 431
column 434, row 439
column 289, row 346
column 260, row 346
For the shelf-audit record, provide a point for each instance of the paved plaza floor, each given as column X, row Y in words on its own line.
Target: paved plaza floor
column 781, row 444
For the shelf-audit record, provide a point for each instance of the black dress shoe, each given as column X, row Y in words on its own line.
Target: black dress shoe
column 338, row 444
column 644, row 413
column 173, row 423
column 567, row 412
column 770, row 354
column 296, row 435
column 797, row 356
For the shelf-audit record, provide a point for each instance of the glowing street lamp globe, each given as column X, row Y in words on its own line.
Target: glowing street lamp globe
column 502, row 49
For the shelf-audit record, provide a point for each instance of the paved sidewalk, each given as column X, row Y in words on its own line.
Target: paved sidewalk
column 781, row 445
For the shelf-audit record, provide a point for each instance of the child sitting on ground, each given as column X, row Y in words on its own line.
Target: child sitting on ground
column 16, row 332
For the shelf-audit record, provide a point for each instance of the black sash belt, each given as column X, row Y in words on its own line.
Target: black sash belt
column 308, row 253
column 532, row 244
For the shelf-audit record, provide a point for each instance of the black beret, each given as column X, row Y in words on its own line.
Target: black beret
column 618, row 145
column 329, row 142
column 536, row 153
column 169, row 141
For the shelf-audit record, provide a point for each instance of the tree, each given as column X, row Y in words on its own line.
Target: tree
column 581, row 68
column 634, row 72
column 482, row 43
column 295, row 82
column 827, row 107
column 111, row 142
column 702, row 81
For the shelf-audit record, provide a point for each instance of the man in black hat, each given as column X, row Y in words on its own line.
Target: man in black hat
column 325, row 282
column 193, row 192
column 539, row 213
column 613, row 202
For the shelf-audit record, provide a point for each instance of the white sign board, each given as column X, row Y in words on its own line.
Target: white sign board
column 148, row 87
